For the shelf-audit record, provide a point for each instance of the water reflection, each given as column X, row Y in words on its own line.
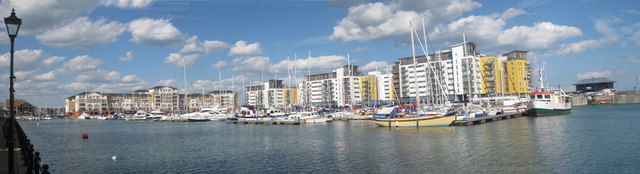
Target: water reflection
column 592, row 140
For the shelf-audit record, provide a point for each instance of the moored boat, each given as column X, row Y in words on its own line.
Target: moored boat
column 548, row 102
column 424, row 121
column 84, row 116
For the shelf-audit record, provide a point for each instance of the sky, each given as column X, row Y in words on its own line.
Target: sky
column 65, row 47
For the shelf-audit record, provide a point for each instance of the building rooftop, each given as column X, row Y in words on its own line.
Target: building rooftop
column 159, row 87
column 593, row 81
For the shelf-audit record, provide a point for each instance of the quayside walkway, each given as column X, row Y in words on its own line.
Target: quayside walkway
column 25, row 160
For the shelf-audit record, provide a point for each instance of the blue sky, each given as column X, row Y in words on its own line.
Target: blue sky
column 70, row 46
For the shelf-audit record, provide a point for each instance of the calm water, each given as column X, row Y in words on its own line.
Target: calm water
column 593, row 139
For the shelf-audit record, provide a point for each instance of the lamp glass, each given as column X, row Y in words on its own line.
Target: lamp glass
column 13, row 29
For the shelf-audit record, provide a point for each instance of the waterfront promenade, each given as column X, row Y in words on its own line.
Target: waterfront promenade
column 4, row 155
column 24, row 158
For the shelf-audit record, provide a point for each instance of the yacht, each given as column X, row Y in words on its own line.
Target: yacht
column 156, row 115
column 312, row 117
column 203, row 114
column 140, row 115
column 84, row 116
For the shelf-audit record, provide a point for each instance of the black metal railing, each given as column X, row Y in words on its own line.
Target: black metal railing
column 30, row 159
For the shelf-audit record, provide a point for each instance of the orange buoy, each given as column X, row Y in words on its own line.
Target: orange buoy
column 85, row 136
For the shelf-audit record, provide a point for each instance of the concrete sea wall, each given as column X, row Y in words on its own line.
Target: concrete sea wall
column 630, row 98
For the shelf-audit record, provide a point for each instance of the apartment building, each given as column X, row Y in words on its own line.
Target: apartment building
column 163, row 98
column 517, row 72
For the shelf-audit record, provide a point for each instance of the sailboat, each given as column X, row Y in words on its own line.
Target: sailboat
column 419, row 120
column 548, row 102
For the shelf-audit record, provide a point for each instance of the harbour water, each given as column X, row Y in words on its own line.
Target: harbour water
column 593, row 139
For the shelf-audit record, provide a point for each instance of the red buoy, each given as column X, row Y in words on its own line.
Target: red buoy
column 85, row 136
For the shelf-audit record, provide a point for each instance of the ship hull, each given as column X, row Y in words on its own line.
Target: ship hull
column 427, row 121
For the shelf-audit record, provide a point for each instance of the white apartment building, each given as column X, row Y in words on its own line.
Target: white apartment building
column 452, row 72
column 269, row 94
column 337, row 88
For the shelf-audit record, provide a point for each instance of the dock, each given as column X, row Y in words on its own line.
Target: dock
column 268, row 122
column 480, row 120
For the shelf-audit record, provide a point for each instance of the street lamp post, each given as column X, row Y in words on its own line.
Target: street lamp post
column 13, row 25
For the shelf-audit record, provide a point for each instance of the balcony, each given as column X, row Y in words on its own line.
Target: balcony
column 489, row 67
column 490, row 61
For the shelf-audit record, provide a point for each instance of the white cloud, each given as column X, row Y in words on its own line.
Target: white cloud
column 315, row 64
column 127, row 3
column 636, row 37
column 241, row 48
column 380, row 21
column 82, row 33
column 130, row 79
column 360, row 49
column 98, row 76
column 82, row 63
column 224, row 84
column 128, row 57
column 511, row 12
column 595, row 74
column 169, row 82
column 46, row 76
column 540, row 35
column 573, row 48
column 180, row 60
column 477, row 29
column 155, row 32
column 603, row 25
column 20, row 75
column 630, row 11
column 51, row 61
column 630, row 58
column 193, row 46
column 220, row 64
column 390, row 21
column 23, row 60
column 372, row 66
column 40, row 15
column 252, row 65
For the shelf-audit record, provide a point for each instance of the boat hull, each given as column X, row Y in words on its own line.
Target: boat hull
column 198, row 119
column 547, row 112
column 545, row 108
column 428, row 121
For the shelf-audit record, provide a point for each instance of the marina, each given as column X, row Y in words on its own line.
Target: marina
column 401, row 86
column 515, row 145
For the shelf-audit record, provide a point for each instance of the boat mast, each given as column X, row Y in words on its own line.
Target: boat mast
column 464, row 54
column 202, row 105
column 346, row 93
column 186, row 89
column 541, row 80
column 289, row 78
column 220, row 87
column 426, row 56
column 309, row 79
column 415, row 66
column 295, row 73
column 233, row 89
